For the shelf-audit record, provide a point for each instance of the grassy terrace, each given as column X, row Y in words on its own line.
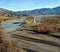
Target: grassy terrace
column 36, row 42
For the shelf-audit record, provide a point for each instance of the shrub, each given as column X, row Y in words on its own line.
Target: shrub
column 45, row 28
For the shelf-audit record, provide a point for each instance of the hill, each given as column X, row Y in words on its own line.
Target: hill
column 55, row 10
column 5, row 11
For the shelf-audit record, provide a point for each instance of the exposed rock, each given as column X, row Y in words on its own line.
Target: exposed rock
column 29, row 21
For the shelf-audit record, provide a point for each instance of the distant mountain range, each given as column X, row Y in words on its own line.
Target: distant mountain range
column 55, row 10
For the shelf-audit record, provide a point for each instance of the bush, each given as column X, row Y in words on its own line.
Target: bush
column 45, row 28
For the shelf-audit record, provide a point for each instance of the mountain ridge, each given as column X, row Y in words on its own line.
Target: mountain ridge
column 55, row 10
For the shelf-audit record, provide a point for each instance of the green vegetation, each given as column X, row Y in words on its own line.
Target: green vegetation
column 4, row 17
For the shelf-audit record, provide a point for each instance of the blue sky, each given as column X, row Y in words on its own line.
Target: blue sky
column 20, row 5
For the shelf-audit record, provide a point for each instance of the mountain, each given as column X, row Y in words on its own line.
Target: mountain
column 6, row 12
column 55, row 10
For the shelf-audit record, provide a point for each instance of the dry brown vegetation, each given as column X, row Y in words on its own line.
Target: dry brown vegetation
column 51, row 20
column 8, row 44
column 45, row 28
column 5, row 42
column 48, row 24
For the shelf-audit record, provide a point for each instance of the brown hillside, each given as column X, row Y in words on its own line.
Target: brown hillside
column 5, row 43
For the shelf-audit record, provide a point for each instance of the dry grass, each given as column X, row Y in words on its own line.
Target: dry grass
column 7, row 44
column 45, row 28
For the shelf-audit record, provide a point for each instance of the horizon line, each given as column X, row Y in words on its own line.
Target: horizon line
column 28, row 9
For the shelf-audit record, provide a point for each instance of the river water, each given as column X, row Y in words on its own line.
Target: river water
column 6, row 24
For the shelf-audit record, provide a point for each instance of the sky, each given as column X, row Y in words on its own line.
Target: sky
column 21, row 5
